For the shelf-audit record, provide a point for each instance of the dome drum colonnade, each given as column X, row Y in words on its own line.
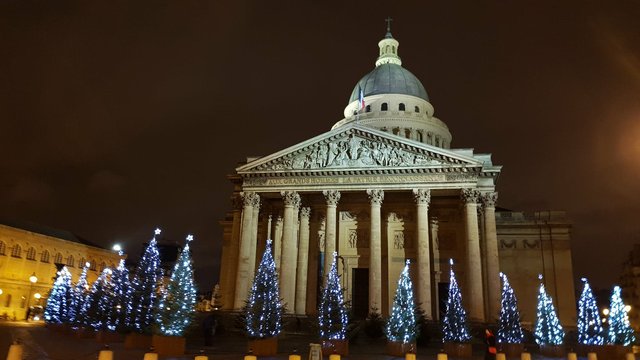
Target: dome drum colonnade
column 400, row 154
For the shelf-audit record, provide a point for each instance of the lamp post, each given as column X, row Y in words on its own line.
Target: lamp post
column 32, row 279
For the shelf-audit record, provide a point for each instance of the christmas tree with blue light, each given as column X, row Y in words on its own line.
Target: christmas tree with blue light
column 590, row 331
column 548, row 330
column 620, row 331
column 98, row 309
column 59, row 300
column 143, row 288
column 178, row 303
column 509, row 330
column 122, row 296
column 78, row 296
column 454, row 324
column 263, row 311
column 401, row 325
column 332, row 312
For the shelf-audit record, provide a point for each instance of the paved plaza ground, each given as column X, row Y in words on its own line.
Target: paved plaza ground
column 41, row 343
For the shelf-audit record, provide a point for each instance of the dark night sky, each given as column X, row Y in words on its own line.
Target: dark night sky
column 119, row 116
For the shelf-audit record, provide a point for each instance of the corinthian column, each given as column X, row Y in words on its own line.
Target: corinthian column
column 289, row 249
column 332, row 197
column 473, row 260
column 491, row 252
column 422, row 198
column 303, row 262
column 242, row 276
column 375, row 254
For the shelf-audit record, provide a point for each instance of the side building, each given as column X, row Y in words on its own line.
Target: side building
column 630, row 284
column 31, row 255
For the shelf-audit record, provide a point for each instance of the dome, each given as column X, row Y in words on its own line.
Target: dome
column 389, row 78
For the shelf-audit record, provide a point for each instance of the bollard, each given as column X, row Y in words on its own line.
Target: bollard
column 250, row 355
column 442, row 355
column 15, row 351
column 295, row 355
column 410, row 356
column 592, row 356
column 572, row 356
column 525, row 356
column 105, row 354
column 202, row 356
column 151, row 355
column 630, row 356
column 501, row 356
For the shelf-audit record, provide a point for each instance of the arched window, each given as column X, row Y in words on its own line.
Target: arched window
column 93, row 265
column 420, row 138
column 368, row 108
column 417, row 109
column 401, row 107
column 102, row 266
column 7, row 301
column 16, row 251
column 384, row 107
column 82, row 262
column 58, row 258
column 44, row 257
column 31, row 253
column 3, row 248
column 70, row 261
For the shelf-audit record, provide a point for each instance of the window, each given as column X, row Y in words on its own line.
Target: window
column 417, row 109
column 16, row 251
column 31, row 253
column 368, row 108
column 58, row 259
column 7, row 302
column 93, row 265
column 401, row 107
column 82, row 262
column 23, row 302
column 102, row 266
column 44, row 257
column 384, row 107
column 3, row 248
column 70, row 261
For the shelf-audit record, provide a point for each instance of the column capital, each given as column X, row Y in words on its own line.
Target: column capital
column 305, row 212
column 376, row 196
column 422, row 196
column 332, row 196
column 250, row 198
column 489, row 199
column 290, row 198
column 469, row 196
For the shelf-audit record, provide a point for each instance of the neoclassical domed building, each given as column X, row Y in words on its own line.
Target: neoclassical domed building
column 382, row 186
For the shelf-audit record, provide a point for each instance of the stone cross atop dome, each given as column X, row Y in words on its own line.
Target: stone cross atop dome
column 388, row 48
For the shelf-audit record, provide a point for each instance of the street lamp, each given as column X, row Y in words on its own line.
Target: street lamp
column 33, row 279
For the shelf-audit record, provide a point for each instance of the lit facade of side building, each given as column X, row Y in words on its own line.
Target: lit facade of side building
column 630, row 284
column 28, row 250
column 382, row 186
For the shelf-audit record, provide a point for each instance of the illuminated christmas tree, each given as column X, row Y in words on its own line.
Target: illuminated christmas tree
column 78, row 296
column 122, row 296
column 548, row 330
column 143, row 288
column 332, row 312
column 264, row 308
column 590, row 331
column 620, row 331
column 401, row 325
column 454, row 324
column 59, row 300
column 509, row 330
column 98, row 310
column 178, row 303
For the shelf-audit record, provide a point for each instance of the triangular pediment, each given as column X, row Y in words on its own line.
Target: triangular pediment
column 355, row 148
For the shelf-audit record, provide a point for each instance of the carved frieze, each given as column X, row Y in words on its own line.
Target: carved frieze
column 398, row 240
column 531, row 244
column 507, row 244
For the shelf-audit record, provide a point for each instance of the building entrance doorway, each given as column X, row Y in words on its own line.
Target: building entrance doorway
column 443, row 293
column 360, row 292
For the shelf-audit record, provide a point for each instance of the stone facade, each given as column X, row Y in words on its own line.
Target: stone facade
column 39, row 251
column 630, row 284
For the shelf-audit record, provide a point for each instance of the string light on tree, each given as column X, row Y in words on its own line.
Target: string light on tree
column 548, row 330
column 454, row 324
column 78, row 296
column 263, row 310
column 98, row 310
column 590, row 331
column 332, row 312
column 143, row 288
column 509, row 330
column 59, row 301
column 122, row 296
column 620, row 331
column 178, row 303
column 401, row 325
